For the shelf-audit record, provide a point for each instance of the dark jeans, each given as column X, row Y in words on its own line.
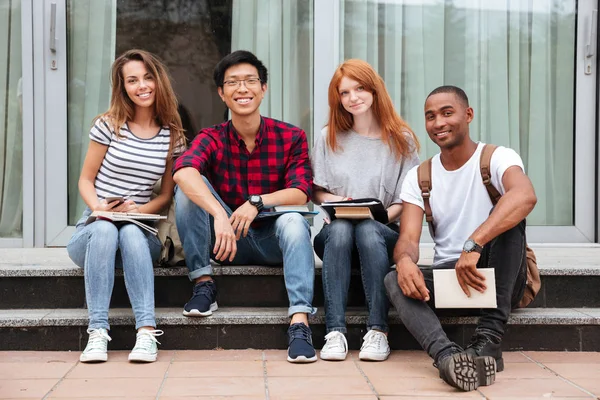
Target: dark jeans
column 343, row 244
column 506, row 254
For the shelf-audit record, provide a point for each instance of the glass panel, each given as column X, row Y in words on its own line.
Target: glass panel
column 11, row 122
column 190, row 37
column 514, row 59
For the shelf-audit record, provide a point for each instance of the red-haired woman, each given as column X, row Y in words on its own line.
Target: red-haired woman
column 131, row 148
column 365, row 150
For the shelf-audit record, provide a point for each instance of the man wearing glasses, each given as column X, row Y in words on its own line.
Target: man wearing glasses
column 229, row 174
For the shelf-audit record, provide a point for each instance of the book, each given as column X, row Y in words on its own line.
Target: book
column 134, row 218
column 280, row 210
column 367, row 208
column 449, row 294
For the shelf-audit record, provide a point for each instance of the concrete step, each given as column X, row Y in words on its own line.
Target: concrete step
column 46, row 278
column 557, row 329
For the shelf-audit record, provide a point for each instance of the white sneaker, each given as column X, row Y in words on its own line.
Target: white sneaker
column 375, row 346
column 96, row 346
column 145, row 349
column 336, row 346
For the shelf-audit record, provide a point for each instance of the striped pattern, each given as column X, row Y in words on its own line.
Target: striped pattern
column 131, row 165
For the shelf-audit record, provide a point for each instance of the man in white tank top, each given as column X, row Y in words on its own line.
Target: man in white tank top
column 469, row 233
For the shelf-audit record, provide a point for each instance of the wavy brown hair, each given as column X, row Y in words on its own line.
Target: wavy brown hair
column 393, row 127
column 122, row 108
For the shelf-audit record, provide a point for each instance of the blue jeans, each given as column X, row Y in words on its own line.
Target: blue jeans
column 100, row 247
column 337, row 245
column 285, row 239
column 506, row 254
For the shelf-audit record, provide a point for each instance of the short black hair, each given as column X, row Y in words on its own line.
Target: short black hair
column 235, row 58
column 458, row 92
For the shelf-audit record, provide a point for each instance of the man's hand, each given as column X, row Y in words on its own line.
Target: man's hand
column 411, row 281
column 467, row 274
column 225, row 241
column 242, row 218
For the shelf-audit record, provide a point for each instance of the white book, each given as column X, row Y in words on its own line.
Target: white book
column 449, row 294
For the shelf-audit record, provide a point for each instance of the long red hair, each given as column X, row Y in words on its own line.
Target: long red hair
column 393, row 127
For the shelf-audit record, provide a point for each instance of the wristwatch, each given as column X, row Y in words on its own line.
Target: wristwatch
column 470, row 246
column 256, row 201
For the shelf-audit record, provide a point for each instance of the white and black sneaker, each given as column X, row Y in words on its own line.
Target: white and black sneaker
column 375, row 347
column 96, row 349
column 203, row 301
column 335, row 348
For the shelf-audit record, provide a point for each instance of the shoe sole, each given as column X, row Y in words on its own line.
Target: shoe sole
column 139, row 357
column 196, row 313
column 333, row 356
column 302, row 359
column 91, row 358
column 368, row 356
column 468, row 373
column 486, row 370
column 499, row 364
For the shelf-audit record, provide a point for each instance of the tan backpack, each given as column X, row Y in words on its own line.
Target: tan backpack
column 172, row 250
column 424, row 175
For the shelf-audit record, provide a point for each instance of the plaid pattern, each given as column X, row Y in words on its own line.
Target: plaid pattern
column 279, row 160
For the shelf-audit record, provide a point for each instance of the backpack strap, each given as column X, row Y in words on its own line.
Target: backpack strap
column 484, row 163
column 424, row 177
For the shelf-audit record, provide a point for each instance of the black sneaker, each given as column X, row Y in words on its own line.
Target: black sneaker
column 467, row 373
column 483, row 344
column 202, row 303
column 301, row 349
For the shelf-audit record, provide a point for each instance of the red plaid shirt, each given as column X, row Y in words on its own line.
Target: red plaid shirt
column 279, row 160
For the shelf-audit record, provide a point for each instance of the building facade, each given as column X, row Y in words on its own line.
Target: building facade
column 529, row 68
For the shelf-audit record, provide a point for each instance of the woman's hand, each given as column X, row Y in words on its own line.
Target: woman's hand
column 127, row 206
column 104, row 206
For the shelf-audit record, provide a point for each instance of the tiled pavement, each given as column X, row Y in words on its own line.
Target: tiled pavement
column 256, row 374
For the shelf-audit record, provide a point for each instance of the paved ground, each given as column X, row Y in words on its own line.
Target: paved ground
column 256, row 374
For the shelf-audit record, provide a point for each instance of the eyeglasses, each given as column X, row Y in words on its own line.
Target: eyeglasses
column 249, row 82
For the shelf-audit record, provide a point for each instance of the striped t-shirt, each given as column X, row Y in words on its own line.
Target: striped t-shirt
column 132, row 165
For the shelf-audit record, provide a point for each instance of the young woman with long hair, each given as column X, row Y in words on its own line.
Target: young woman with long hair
column 132, row 146
column 364, row 151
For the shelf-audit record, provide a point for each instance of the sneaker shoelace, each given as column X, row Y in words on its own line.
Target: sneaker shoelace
column 300, row 331
column 146, row 339
column 98, row 340
column 335, row 340
column 372, row 340
column 206, row 289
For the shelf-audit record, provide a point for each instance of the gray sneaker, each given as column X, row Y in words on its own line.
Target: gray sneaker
column 145, row 349
column 96, row 349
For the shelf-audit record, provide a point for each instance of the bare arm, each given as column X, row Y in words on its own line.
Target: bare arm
column 191, row 183
column 163, row 200
column 321, row 195
column 394, row 212
column 282, row 197
column 407, row 246
column 406, row 253
column 91, row 166
column 516, row 203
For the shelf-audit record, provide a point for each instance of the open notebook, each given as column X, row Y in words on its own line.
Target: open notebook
column 448, row 293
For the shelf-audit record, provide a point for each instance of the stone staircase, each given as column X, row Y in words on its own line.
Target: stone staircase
column 42, row 306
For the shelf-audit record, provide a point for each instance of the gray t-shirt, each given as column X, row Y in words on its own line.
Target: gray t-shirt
column 361, row 167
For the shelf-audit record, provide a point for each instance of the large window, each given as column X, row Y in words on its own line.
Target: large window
column 11, row 122
column 513, row 58
column 190, row 36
